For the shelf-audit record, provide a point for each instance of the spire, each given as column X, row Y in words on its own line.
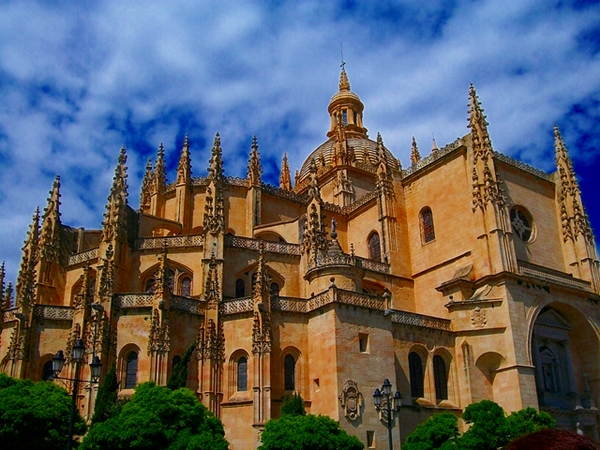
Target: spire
column 8, row 296
column 573, row 216
column 50, row 232
column 482, row 146
column 344, row 83
column 415, row 156
column 380, row 150
column 184, row 170
column 434, row 147
column 114, row 225
column 285, row 180
column 215, row 169
column 262, row 283
column 2, row 275
column 27, row 272
column 146, row 186
column 159, row 180
column 254, row 167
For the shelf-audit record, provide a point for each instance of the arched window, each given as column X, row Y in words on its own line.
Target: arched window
column 289, row 373
column 186, row 286
column 374, row 247
column 440, row 375
column 47, row 372
column 149, row 287
column 176, row 360
column 415, row 366
column 427, row 229
column 171, row 278
column 131, row 368
column 274, row 290
column 242, row 374
column 240, row 288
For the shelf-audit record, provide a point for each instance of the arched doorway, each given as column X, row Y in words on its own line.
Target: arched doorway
column 565, row 351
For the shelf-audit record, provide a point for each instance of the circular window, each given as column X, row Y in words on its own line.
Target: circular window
column 522, row 223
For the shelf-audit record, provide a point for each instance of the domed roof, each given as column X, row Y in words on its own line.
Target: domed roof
column 365, row 152
column 345, row 111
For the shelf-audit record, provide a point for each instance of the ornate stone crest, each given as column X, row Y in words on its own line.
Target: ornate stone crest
column 478, row 318
column 351, row 399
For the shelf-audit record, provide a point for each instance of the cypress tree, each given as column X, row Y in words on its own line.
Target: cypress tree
column 179, row 374
column 106, row 401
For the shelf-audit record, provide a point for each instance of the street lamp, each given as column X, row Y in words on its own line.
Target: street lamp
column 378, row 395
column 57, row 365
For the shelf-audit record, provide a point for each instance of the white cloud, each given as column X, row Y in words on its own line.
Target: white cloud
column 80, row 80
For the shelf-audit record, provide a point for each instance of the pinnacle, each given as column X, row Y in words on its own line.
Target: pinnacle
column 344, row 83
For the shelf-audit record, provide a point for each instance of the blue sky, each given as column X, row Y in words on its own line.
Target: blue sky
column 80, row 79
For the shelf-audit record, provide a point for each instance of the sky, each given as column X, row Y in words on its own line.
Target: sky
column 78, row 80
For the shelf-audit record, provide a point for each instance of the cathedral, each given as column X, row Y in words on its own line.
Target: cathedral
column 461, row 275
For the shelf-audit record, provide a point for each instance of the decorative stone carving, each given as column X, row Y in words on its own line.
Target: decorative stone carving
column 351, row 400
column 478, row 318
column 159, row 340
column 211, row 342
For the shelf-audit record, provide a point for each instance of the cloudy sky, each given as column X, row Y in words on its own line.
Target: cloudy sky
column 80, row 79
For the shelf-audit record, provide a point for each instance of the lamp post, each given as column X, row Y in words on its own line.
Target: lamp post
column 378, row 395
column 57, row 365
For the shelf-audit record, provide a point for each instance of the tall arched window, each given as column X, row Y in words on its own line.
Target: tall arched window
column 274, row 290
column 242, row 374
column 171, row 278
column 186, row 286
column 240, row 288
column 427, row 229
column 374, row 247
column 47, row 372
column 415, row 366
column 131, row 368
column 289, row 373
column 440, row 375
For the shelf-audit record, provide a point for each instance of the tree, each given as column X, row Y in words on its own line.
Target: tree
column 489, row 428
column 178, row 378
column 528, row 420
column 306, row 432
column 293, row 405
column 35, row 415
column 157, row 418
column 437, row 432
column 106, row 401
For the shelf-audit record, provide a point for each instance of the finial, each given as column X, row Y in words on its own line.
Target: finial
column 215, row 169
column 415, row 156
column 434, row 147
column 254, row 167
column 344, row 83
column 184, row 169
column 122, row 156
column 285, row 181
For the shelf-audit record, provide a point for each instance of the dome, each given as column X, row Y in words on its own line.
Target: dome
column 365, row 152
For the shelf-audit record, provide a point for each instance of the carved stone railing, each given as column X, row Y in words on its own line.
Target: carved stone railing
column 237, row 305
column 9, row 315
column 170, row 241
column 290, row 304
column 553, row 276
column 187, row 304
column 521, row 165
column 236, row 181
column 79, row 258
column 269, row 246
column 353, row 206
column 359, row 299
column 139, row 300
column 433, row 157
column 420, row 320
column 53, row 312
column 283, row 193
column 348, row 260
column 371, row 264
column 319, row 300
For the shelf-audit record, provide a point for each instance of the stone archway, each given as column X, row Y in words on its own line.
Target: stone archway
column 565, row 351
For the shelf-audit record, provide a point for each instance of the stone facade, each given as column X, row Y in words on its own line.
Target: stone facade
column 463, row 277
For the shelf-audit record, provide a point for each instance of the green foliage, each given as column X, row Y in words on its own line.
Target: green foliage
column 106, row 400
column 157, row 418
column 35, row 415
column 489, row 428
column 437, row 432
column 306, row 432
column 528, row 420
column 179, row 374
column 293, row 405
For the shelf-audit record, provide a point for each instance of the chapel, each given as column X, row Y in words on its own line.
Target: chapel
column 460, row 275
